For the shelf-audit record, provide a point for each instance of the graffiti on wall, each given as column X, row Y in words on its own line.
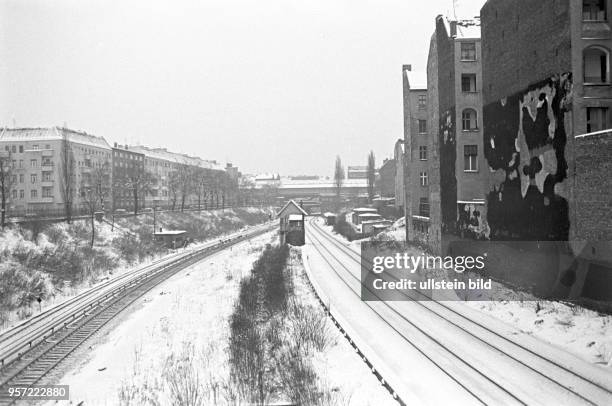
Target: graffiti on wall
column 524, row 145
column 448, row 157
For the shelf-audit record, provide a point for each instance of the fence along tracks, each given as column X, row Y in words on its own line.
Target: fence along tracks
column 573, row 379
column 32, row 349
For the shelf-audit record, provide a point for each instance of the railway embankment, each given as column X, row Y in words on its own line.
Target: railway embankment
column 42, row 263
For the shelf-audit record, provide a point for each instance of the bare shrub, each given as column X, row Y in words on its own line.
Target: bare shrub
column 183, row 378
column 309, row 328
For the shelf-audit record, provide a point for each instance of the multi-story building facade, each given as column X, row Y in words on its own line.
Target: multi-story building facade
column 398, row 157
column 457, row 171
column 44, row 160
column 49, row 164
column 547, row 105
column 128, row 174
column 386, row 179
column 417, row 153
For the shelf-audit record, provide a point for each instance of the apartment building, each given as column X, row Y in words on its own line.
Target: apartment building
column 548, row 102
column 417, row 153
column 128, row 176
column 457, row 171
column 41, row 170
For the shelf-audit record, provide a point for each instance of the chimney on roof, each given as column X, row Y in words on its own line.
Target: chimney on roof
column 453, row 29
column 407, row 68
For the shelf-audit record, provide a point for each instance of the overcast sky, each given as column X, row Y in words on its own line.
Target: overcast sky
column 269, row 85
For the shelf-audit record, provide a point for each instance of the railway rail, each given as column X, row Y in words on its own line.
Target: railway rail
column 31, row 350
column 428, row 325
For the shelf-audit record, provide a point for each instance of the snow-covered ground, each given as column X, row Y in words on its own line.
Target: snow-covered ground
column 59, row 238
column 178, row 333
column 583, row 332
column 186, row 316
column 343, row 370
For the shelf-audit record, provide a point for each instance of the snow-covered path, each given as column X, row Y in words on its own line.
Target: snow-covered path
column 436, row 354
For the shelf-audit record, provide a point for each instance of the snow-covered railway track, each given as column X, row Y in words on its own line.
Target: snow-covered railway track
column 490, row 361
column 30, row 351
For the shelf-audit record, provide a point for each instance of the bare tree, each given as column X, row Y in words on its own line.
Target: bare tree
column 138, row 183
column 371, row 175
column 67, row 177
column 7, row 182
column 95, row 190
column 202, row 183
column 338, row 178
column 185, row 184
column 173, row 187
column 228, row 188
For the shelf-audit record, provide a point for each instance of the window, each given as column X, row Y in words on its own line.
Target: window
column 47, row 192
column 35, row 146
column 424, row 207
column 468, row 51
column 33, row 193
column 46, row 176
column 21, row 178
column 47, row 146
column 423, row 178
column 596, row 65
column 13, row 149
column 33, row 163
column 423, row 152
column 422, row 126
column 597, row 119
column 21, row 148
column 594, row 10
column 46, row 162
column 468, row 119
column 422, row 101
column 33, row 178
column 21, row 194
column 470, row 158
column 468, row 82
column 14, row 194
column 21, row 163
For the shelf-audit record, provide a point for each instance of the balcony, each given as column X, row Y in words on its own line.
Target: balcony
column 47, row 152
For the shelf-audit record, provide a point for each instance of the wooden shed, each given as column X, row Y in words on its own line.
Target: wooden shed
column 292, row 218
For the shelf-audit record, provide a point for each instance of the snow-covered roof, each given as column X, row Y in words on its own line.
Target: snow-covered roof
column 472, row 31
column 267, row 176
column 292, row 202
column 417, row 79
column 364, row 210
column 171, row 232
column 52, row 134
column 369, row 215
column 165, row 155
column 320, row 183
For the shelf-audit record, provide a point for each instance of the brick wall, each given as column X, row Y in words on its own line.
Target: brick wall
column 524, row 41
column 593, row 186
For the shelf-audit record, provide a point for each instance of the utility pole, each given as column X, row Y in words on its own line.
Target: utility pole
column 154, row 219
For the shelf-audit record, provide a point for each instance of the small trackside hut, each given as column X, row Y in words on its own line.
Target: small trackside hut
column 171, row 238
column 292, row 218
